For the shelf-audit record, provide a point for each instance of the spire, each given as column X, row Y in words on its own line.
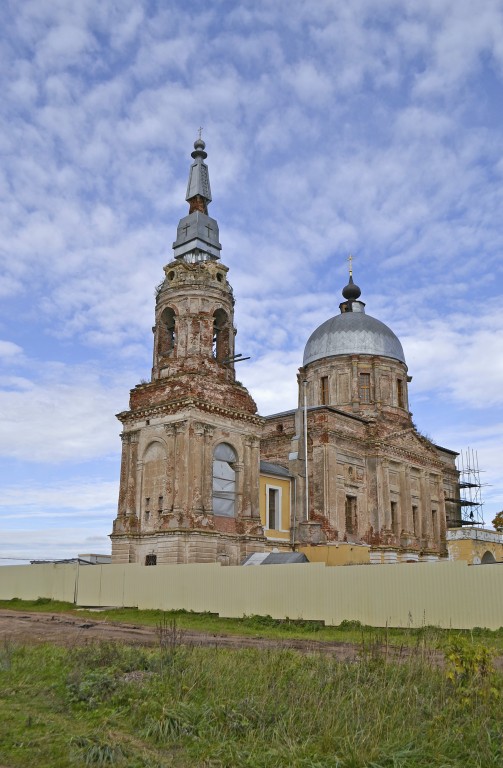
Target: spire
column 197, row 233
column 198, row 189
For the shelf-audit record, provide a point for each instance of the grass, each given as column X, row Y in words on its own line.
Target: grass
column 112, row 704
column 265, row 626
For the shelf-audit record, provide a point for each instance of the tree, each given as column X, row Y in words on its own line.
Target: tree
column 498, row 522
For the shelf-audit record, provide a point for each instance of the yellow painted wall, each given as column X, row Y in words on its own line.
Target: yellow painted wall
column 286, row 490
column 337, row 554
column 473, row 551
column 445, row 594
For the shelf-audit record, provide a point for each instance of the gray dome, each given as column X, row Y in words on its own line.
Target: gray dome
column 352, row 333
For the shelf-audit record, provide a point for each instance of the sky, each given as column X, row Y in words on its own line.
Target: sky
column 331, row 128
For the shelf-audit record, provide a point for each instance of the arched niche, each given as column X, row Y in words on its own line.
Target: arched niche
column 167, row 332
column 221, row 348
column 224, row 480
column 153, row 480
column 487, row 558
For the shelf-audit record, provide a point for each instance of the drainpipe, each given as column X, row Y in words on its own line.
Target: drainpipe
column 292, row 537
column 305, row 448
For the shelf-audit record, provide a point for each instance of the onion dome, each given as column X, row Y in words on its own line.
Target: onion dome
column 351, row 291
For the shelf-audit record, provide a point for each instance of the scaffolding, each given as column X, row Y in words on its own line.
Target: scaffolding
column 469, row 500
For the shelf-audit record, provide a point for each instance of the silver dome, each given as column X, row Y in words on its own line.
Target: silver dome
column 352, row 333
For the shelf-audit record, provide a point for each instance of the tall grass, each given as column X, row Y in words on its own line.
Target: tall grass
column 110, row 704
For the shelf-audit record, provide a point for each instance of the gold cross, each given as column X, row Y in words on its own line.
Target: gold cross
column 350, row 259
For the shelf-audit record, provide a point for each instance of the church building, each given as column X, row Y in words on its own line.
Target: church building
column 345, row 477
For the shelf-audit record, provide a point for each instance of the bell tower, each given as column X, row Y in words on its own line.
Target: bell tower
column 190, row 443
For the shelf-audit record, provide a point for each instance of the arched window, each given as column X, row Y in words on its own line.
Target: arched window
column 167, row 334
column 224, row 480
column 488, row 558
column 220, row 335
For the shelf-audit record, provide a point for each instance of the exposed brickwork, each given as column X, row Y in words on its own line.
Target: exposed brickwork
column 192, row 385
column 226, row 524
column 174, row 424
column 369, row 458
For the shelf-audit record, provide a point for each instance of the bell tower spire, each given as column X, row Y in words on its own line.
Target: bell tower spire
column 197, row 233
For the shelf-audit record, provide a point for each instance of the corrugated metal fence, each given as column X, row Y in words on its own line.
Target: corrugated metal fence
column 445, row 594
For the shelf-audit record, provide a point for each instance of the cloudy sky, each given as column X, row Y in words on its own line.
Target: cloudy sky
column 331, row 127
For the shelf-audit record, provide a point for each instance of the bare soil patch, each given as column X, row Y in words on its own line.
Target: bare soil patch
column 70, row 630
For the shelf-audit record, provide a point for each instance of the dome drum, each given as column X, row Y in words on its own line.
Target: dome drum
column 359, row 384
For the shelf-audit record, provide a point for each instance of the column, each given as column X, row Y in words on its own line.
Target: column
column 425, row 505
column 384, row 495
column 355, row 394
column 169, row 490
column 405, row 500
column 247, row 463
column 254, row 471
column 180, row 468
column 208, row 469
column 238, row 468
column 132, row 474
column 121, row 507
column 441, row 510
column 196, row 467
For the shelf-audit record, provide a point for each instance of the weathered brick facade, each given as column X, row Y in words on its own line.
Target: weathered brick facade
column 192, row 405
column 192, row 440
column 373, row 478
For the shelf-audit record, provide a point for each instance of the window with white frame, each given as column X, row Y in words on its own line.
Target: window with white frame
column 273, row 508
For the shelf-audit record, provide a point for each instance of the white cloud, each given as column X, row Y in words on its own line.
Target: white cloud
column 9, row 350
column 65, row 415
column 74, row 497
column 459, row 357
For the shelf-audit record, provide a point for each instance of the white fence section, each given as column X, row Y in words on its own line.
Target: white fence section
column 444, row 594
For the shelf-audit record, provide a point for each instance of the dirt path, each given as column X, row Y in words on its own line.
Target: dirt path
column 70, row 630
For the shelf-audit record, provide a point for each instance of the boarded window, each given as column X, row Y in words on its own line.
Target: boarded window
column 394, row 516
column 324, row 390
column 350, row 509
column 400, row 393
column 224, row 480
column 364, row 387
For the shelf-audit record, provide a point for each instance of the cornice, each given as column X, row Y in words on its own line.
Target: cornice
column 130, row 417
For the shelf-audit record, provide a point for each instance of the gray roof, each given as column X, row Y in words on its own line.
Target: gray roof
column 273, row 469
column 284, row 558
column 352, row 333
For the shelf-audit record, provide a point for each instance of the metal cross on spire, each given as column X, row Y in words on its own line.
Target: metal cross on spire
column 350, row 259
column 200, row 130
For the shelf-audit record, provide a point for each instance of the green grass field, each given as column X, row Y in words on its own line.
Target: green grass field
column 173, row 705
